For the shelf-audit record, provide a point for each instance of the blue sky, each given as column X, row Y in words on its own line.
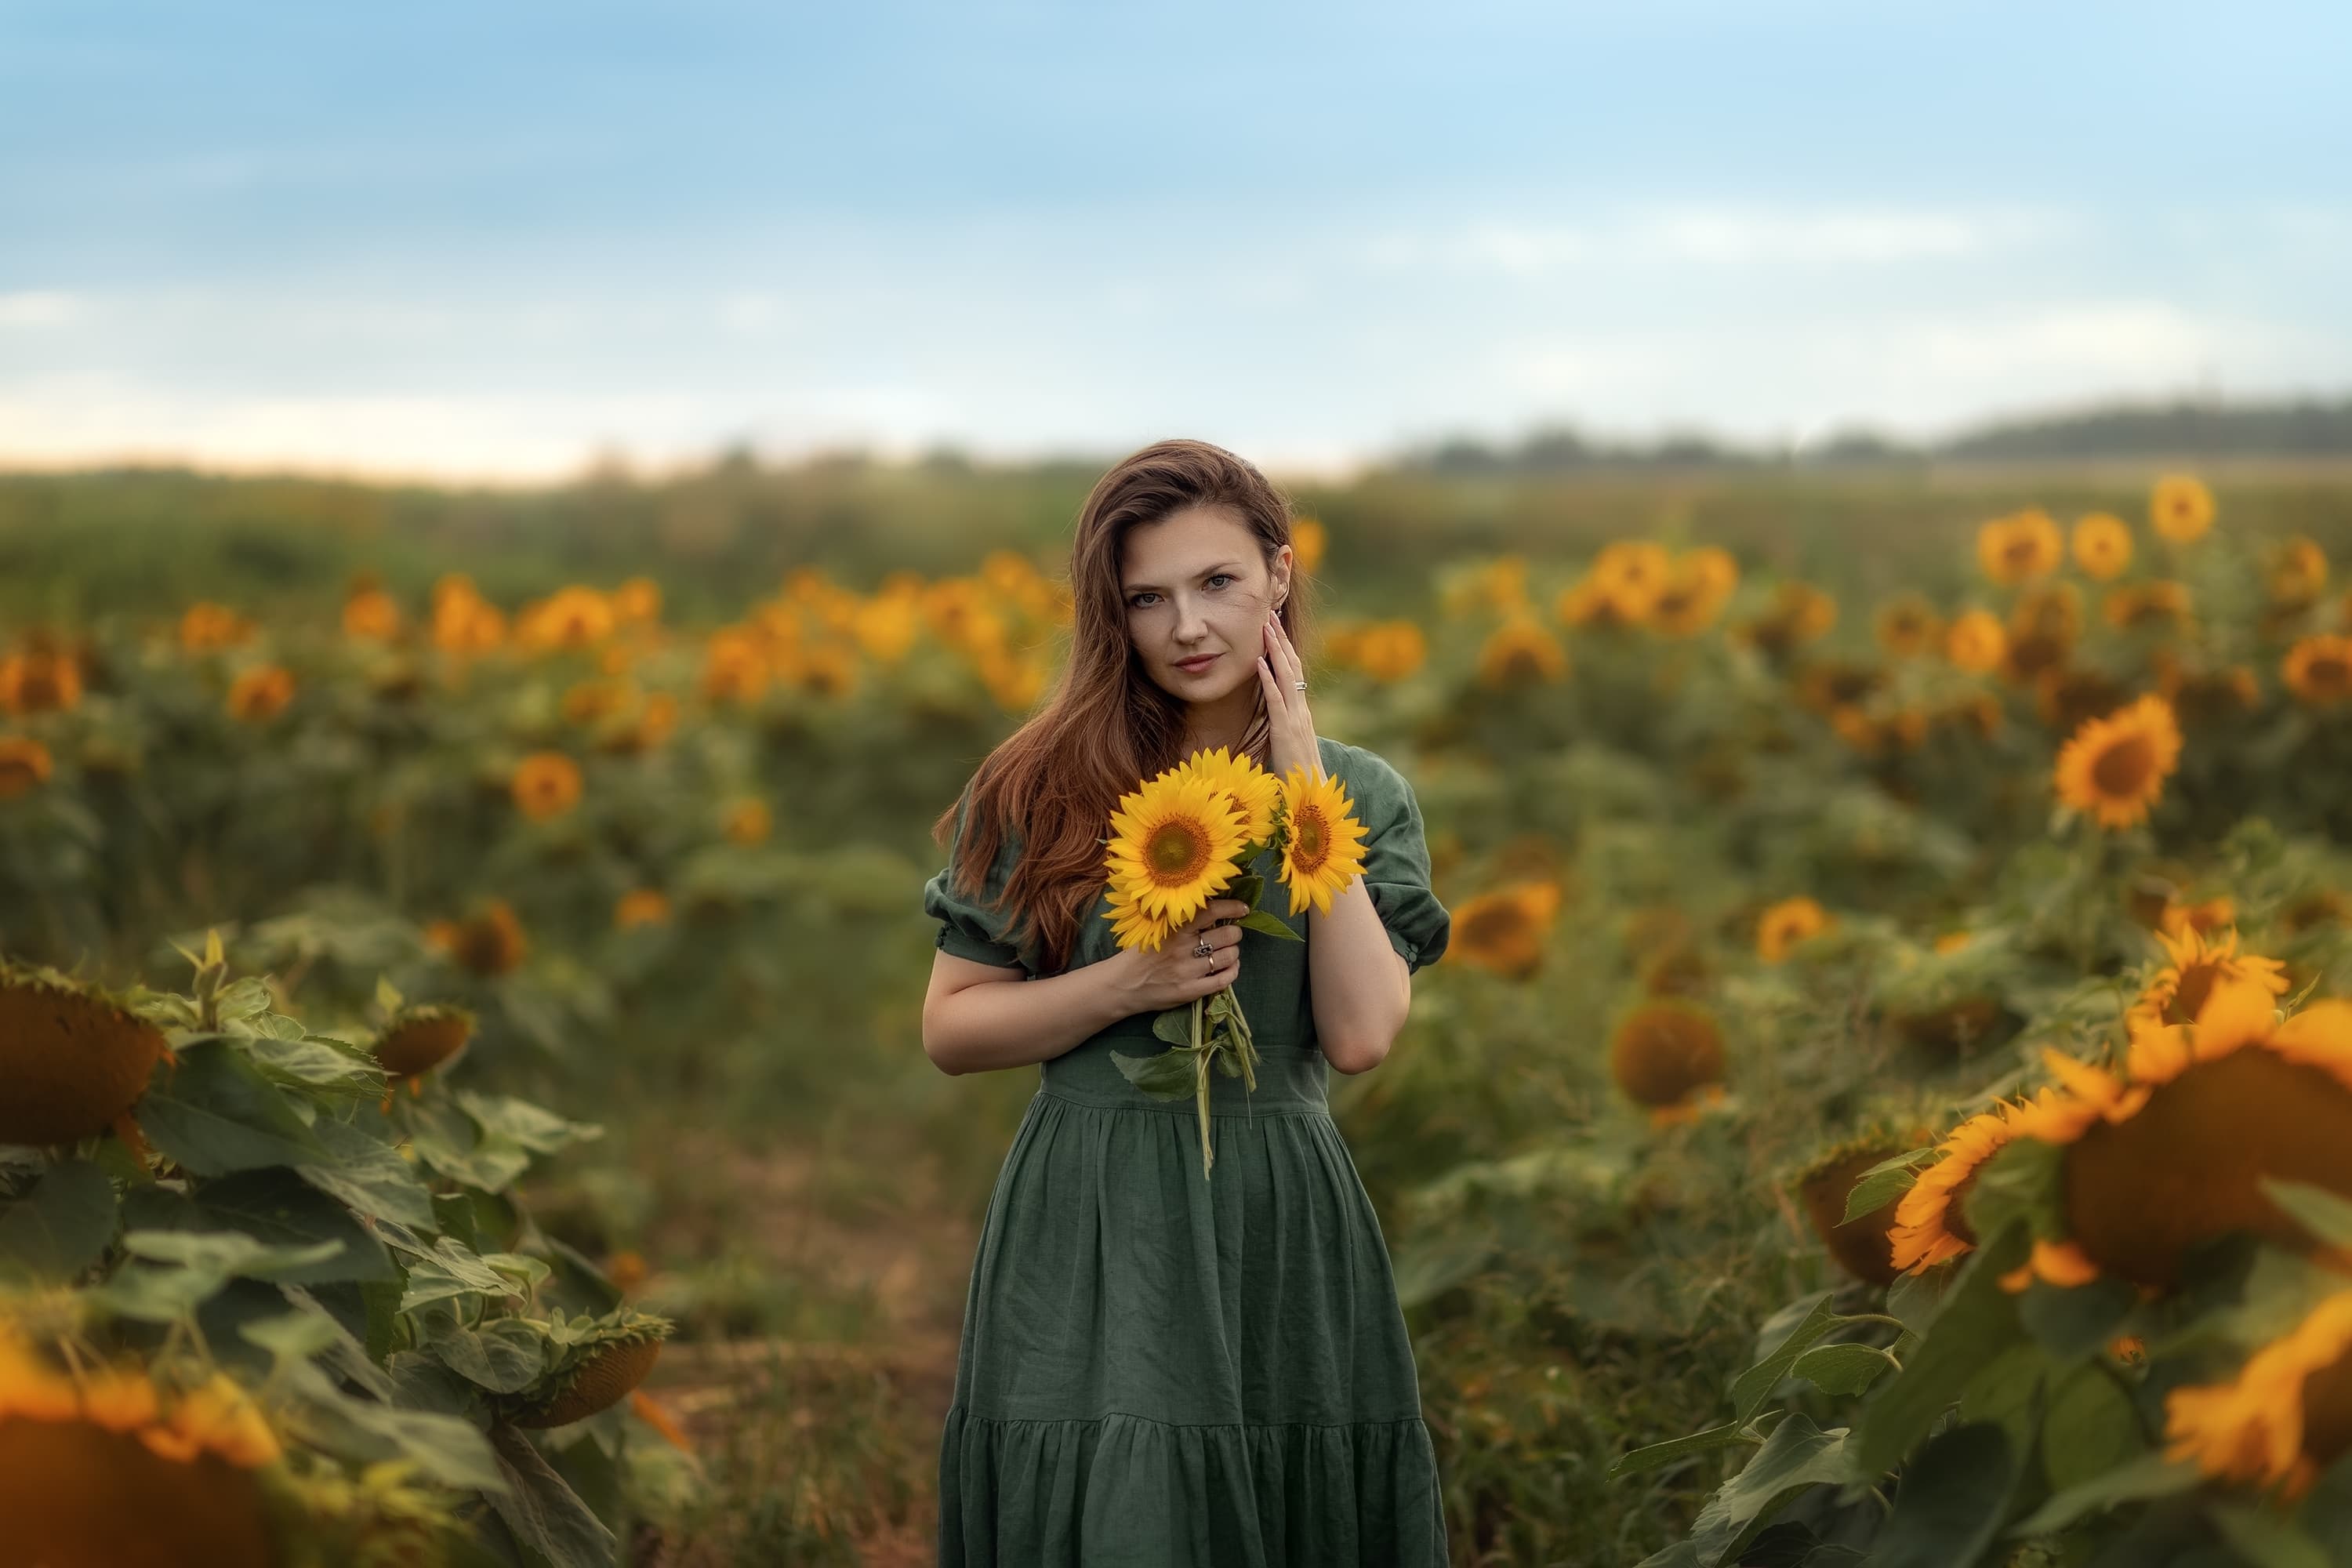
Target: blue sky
column 489, row 240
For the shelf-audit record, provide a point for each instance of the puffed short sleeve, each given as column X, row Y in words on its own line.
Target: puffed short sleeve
column 969, row 926
column 1396, row 861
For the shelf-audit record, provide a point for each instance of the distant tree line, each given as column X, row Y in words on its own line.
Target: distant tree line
column 2187, row 430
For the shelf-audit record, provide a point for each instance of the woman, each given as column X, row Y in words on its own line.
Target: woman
column 1158, row 1368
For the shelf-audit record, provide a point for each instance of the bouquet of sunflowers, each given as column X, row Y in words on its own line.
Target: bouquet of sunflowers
column 1191, row 834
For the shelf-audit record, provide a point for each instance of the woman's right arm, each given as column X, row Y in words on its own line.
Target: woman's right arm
column 977, row 1017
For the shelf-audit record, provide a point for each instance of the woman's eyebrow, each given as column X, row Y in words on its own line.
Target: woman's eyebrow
column 1204, row 571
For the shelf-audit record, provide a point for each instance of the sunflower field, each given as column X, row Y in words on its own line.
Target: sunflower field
column 1887, row 1097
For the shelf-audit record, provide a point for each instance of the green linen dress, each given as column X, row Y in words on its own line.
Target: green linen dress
column 1159, row 1370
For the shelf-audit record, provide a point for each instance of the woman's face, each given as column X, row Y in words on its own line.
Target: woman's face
column 1196, row 589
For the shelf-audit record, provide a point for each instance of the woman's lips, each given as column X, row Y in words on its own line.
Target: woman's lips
column 1196, row 666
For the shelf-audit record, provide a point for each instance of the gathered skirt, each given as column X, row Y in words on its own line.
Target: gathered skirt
column 1159, row 1370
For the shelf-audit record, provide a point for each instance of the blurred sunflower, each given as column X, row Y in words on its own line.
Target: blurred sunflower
column 1931, row 1219
column 2201, row 697
column 1697, row 587
column 1632, row 572
column 1170, row 851
column 1308, row 541
column 545, row 784
column 1588, row 603
column 2174, row 1152
column 2181, row 508
column 2158, row 606
column 40, row 680
column 2022, row 545
column 1667, row 1056
column 2068, row 697
column 2319, row 669
column 2287, row 1416
column 1391, row 650
column 2103, row 545
column 2043, row 626
column 830, row 669
column 1860, row 1246
column 1322, row 849
column 260, row 693
column 1908, row 626
column 25, row 765
column 1976, row 642
column 371, row 615
column 641, row 906
column 637, row 601
column 463, row 621
column 74, row 1059
column 571, row 617
column 2114, row 769
column 748, row 821
column 734, row 666
column 1520, row 651
column 1505, row 930
column 1828, row 684
column 2176, row 918
column 1787, row 924
column 2298, row 573
column 2199, row 963
column 206, row 628
column 1798, row 613
column 488, row 944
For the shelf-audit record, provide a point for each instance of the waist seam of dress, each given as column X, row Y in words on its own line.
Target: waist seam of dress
column 972, row 1415
column 1188, row 1108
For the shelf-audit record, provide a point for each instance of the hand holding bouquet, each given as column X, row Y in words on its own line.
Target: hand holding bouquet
column 1188, row 836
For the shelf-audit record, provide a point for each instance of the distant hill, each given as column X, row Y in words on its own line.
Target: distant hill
column 2187, row 430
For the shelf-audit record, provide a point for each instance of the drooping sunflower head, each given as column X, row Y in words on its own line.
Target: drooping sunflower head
column 603, row 1363
column 2174, row 1152
column 25, row 765
column 1931, row 1220
column 2114, row 769
column 2103, row 545
column 1667, row 1055
column 1860, row 1246
column 1506, row 930
column 2286, row 1417
column 2181, row 508
column 1976, row 642
column 419, row 1039
column 545, row 784
column 1907, row 625
column 1323, row 844
column 2022, row 545
column 490, row 943
column 1171, row 848
column 1782, row 926
column 73, row 1058
column 1519, row 652
column 2319, row 669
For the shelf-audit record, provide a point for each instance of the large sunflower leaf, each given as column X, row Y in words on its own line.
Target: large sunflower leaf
column 275, row 1207
column 60, row 1227
column 544, row 1514
column 214, row 1112
column 1797, row 1456
column 1954, row 1497
column 368, row 1175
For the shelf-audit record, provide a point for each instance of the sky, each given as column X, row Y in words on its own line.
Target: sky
column 493, row 241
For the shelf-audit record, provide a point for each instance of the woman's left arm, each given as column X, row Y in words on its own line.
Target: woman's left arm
column 1359, row 985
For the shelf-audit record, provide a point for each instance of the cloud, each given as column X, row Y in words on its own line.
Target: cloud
column 35, row 308
column 1705, row 236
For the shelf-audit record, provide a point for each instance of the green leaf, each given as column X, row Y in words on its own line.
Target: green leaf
column 451, row 1143
column 1886, row 1180
column 367, row 1174
column 447, row 1448
column 1842, row 1369
column 275, row 1207
column 2149, row 1476
column 1174, row 1026
column 2265, row 1539
column 1953, row 1499
column 2091, row 1428
column 1170, row 1075
column 296, row 1336
column 2322, row 1213
column 315, row 1065
column 61, row 1226
column 247, row 998
column 504, row 1355
column 1249, row 887
column 1657, row 1455
column 546, row 1515
column 2073, row 1324
column 1797, row 1456
column 517, row 1122
column 450, row 1270
column 227, row 1252
column 1752, row 1387
column 1268, row 923
column 1914, row 1300
column 1978, row 1321
column 215, row 1113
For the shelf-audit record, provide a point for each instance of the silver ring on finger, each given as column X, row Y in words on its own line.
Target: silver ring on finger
column 1201, row 949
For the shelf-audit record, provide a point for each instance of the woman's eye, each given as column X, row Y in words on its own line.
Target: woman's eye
column 1223, row 577
column 1137, row 602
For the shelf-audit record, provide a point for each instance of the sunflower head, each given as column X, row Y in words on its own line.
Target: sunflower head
column 74, row 1057
column 1782, row 926
column 1171, row 849
column 1505, row 930
column 2298, row 573
column 1798, row 613
column 594, row 1372
column 1860, row 1246
column 2283, row 1418
column 1930, row 1219
column 2159, row 607
column 417, row 1039
column 40, row 679
column 260, row 693
column 2103, row 545
column 641, row 906
column 1698, row 584
column 25, row 765
column 371, row 615
column 1322, row 842
column 2319, row 669
column 2198, row 959
column 2019, row 546
column 1253, row 793
column 1666, row 1055
column 2114, row 769
column 545, row 784
column 1519, row 652
column 1908, row 626
column 488, row 944
column 2181, row 508
column 1976, row 642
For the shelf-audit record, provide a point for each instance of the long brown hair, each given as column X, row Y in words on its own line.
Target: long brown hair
column 1106, row 727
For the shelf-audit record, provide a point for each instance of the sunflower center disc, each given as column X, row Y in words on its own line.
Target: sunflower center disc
column 2124, row 768
column 1176, row 852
